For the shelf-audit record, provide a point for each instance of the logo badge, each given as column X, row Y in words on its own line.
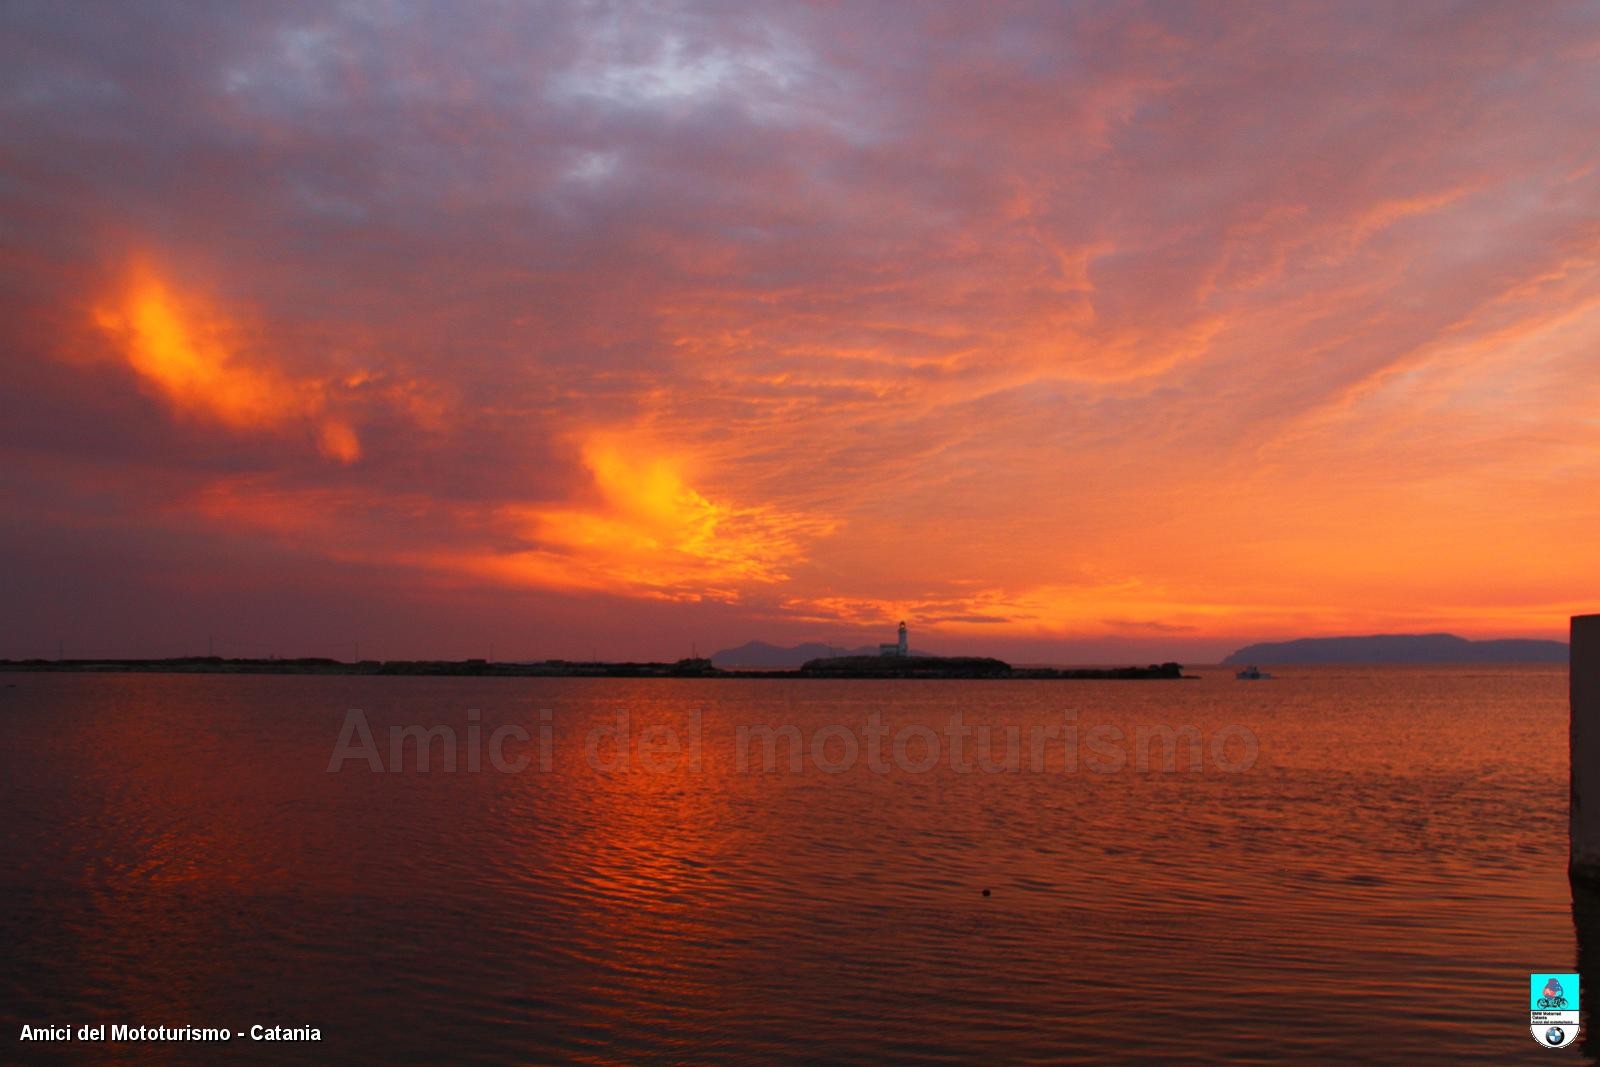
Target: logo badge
column 1553, row 1008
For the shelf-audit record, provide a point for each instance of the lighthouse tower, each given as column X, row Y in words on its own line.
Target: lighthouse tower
column 901, row 647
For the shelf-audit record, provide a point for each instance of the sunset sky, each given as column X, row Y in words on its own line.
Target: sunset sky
column 1068, row 333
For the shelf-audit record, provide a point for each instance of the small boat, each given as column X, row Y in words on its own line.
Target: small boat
column 1252, row 673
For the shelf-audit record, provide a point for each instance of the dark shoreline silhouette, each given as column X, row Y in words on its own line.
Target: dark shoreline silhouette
column 936, row 667
column 1401, row 648
column 967, row 667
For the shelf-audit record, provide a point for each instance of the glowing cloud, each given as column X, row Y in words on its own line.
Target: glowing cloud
column 186, row 354
column 650, row 532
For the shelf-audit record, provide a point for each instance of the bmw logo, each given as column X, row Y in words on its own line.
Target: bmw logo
column 1555, row 1035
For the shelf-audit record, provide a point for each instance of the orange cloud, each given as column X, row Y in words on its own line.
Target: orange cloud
column 648, row 531
column 638, row 529
column 187, row 353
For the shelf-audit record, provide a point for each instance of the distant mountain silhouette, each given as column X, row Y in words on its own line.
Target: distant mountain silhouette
column 1402, row 648
column 759, row 654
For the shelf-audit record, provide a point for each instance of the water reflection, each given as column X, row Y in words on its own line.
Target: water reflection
column 178, row 853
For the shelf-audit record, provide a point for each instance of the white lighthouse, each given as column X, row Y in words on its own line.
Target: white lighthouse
column 901, row 647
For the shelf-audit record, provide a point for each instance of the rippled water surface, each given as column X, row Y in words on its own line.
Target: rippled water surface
column 1377, row 885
